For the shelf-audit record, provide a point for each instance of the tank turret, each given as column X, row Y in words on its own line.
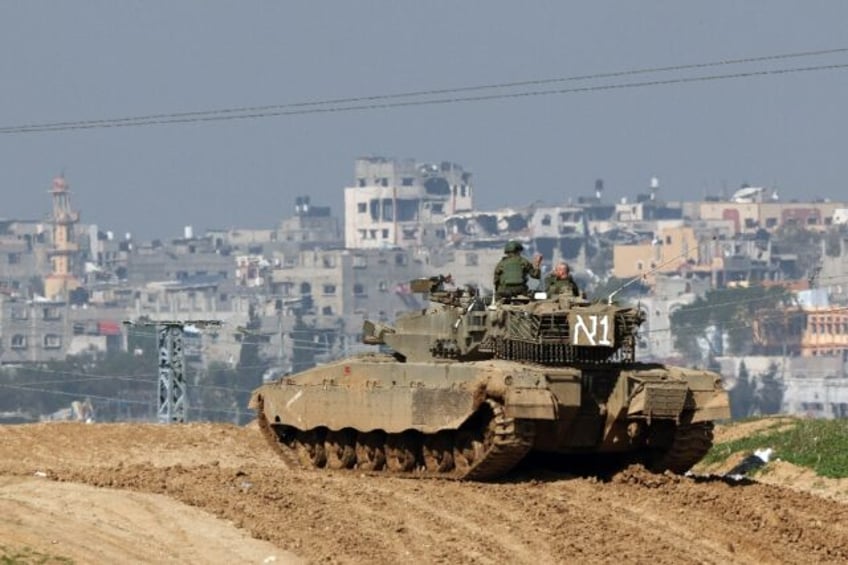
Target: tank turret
column 464, row 326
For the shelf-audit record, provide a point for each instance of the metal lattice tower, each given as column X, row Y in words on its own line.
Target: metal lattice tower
column 171, row 383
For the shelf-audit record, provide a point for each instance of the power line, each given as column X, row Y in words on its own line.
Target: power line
column 440, row 91
column 373, row 102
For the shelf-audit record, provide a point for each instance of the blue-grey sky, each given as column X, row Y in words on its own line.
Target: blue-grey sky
column 84, row 60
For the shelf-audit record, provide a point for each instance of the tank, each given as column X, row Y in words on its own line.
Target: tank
column 468, row 387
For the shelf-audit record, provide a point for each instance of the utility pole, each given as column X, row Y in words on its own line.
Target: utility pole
column 171, row 382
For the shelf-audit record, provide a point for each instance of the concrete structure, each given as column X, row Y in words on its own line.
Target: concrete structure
column 750, row 215
column 669, row 251
column 59, row 283
column 816, row 387
column 33, row 330
column 403, row 203
column 311, row 226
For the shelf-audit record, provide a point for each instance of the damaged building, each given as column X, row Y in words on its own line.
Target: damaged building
column 403, row 203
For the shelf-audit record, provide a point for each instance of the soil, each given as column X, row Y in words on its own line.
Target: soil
column 146, row 493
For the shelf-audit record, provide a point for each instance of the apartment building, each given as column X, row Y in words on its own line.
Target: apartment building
column 403, row 203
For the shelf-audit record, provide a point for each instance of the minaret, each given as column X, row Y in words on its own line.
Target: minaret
column 61, row 281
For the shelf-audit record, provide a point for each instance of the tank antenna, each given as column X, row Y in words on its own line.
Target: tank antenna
column 645, row 274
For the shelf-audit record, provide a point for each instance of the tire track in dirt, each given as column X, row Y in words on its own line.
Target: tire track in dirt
column 350, row 517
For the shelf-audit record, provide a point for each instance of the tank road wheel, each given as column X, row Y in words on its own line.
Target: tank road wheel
column 437, row 452
column 474, row 439
column 340, row 449
column 469, row 448
column 370, row 451
column 690, row 444
column 401, row 452
column 310, row 448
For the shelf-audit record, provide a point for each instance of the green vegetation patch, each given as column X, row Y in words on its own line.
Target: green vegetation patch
column 28, row 556
column 821, row 445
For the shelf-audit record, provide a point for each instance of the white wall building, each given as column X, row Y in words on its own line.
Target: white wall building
column 403, row 203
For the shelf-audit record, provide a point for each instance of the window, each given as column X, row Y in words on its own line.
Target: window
column 383, row 286
column 358, row 289
column 360, row 261
column 438, row 208
column 52, row 313
column 327, row 310
column 668, row 240
column 329, row 289
column 400, row 259
column 329, row 261
column 384, row 181
column 305, row 288
column 361, row 181
column 362, row 207
column 14, row 258
column 407, row 181
column 385, row 234
column 546, row 220
column 19, row 341
column 52, row 341
column 20, row 314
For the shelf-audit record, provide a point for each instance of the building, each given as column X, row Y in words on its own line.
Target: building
column 403, row 203
column 59, row 283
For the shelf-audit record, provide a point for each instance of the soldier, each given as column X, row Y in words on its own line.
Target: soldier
column 513, row 270
column 561, row 282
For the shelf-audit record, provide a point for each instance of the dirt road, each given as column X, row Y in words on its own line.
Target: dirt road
column 347, row 517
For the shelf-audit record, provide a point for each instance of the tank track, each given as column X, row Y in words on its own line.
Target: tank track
column 488, row 448
column 690, row 444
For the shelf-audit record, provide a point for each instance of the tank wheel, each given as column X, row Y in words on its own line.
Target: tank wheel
column 310, row 448
column 475, row 438
column 469, row 448
column 370, row 451
column 401, row 452
column 690, row 444
column 437, row 452
column 340, row 449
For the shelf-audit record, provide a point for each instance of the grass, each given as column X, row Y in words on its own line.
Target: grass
column 821, row 445
column 28, row 556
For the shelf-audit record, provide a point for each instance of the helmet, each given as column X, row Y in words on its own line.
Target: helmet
column 513, row 247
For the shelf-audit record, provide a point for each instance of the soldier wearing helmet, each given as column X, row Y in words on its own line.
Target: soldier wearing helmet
column 513, row 270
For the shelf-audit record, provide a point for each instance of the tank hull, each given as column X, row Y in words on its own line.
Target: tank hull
column 478, row 419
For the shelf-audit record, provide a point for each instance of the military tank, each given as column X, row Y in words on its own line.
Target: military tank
column 468, row 386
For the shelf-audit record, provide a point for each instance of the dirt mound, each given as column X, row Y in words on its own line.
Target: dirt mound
column 349, row 517
column 725, row 433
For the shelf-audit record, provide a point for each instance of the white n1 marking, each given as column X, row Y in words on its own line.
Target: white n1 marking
column 591, row 333
column 605, row 340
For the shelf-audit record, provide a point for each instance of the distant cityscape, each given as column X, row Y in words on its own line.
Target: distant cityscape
column 302, row 289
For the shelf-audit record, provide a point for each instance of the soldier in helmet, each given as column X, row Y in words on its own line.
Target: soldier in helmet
column 561, row 282
column 513, row 270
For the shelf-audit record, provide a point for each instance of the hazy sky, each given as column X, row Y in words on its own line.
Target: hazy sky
column 86, row 60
